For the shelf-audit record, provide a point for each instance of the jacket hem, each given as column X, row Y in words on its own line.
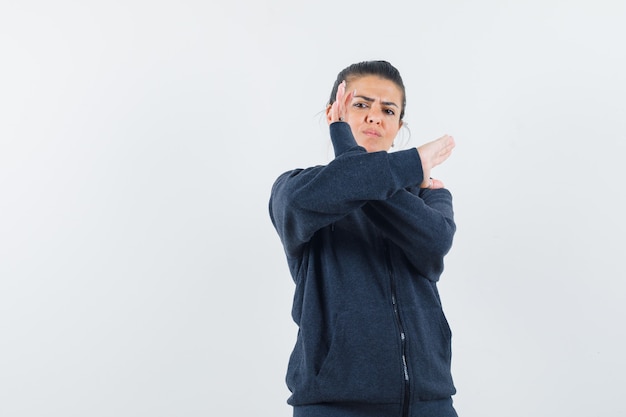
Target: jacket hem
column 438, row 408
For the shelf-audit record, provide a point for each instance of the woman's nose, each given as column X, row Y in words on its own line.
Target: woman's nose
column 373, row 116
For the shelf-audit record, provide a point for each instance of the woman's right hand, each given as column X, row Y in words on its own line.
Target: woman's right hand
column 432, row 154
column 337, row 112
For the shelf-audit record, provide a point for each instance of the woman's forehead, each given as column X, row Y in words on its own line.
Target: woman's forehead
column 377, row 88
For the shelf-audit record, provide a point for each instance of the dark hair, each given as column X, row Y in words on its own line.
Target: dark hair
column 382, row 69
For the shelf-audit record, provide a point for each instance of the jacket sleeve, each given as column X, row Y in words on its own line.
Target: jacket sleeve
column 421, row 223
column 305, row 200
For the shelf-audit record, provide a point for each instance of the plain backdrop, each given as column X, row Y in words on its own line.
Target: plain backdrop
column 139, row 271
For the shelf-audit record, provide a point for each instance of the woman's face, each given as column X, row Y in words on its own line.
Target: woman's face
column 374, row 112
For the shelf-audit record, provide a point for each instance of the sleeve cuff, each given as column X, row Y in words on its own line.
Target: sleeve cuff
column 342, row 138
column 406, row 167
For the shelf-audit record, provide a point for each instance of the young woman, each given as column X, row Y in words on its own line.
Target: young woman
column 365, row 237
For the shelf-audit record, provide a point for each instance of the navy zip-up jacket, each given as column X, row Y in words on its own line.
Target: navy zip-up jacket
column 365, row 247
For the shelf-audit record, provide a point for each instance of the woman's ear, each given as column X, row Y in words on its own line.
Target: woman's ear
column 328, row 116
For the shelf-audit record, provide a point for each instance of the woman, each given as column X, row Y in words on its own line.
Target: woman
column 365, row 237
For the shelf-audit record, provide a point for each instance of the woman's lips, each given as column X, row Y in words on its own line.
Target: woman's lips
column 370, row 132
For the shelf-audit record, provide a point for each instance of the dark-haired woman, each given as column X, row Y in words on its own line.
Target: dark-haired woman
column 365, row 237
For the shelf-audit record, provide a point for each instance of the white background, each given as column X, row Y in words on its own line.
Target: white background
column 140, row 274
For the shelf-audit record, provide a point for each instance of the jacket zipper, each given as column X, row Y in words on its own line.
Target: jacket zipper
column 394, row 302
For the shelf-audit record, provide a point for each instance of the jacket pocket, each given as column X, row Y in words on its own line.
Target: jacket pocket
column 429, row 354
column 364, row 361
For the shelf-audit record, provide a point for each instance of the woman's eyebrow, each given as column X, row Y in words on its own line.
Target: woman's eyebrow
column 371, row 100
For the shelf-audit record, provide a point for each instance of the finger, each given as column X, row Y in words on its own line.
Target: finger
column 446, row 141
column 432, row 184
column 348, row 99
column 341, row 91
column 336, row 110
column 341, row 100
column 445, row 153
column 437, row 184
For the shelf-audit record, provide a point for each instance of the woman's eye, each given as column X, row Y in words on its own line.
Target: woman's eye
column 390, row 112
column 360, row 105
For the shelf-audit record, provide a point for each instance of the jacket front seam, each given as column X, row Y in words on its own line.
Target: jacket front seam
column 402, row 333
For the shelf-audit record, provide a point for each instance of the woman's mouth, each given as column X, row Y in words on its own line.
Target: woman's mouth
column 371, row 132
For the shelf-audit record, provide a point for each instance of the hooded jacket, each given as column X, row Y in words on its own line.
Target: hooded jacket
column 365, row 247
